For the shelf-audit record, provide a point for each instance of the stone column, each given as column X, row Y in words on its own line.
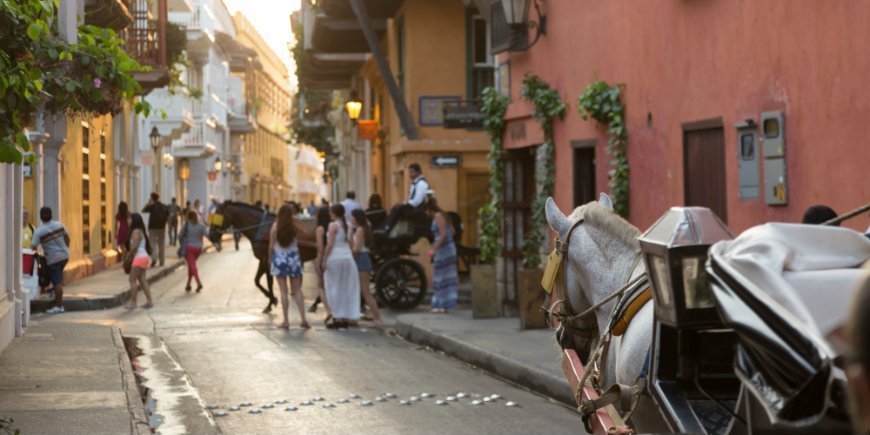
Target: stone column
column 52, row 167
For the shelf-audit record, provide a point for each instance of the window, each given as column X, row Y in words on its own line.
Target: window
column 105, row 235
column 86, row 189
column 480, row 66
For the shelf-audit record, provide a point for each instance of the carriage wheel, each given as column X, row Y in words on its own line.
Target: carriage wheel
column 400, row 283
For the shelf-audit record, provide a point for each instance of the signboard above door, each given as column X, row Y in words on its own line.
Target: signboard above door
column 446, row 161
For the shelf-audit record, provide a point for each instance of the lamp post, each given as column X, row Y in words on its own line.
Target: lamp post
column 155, row 146
column 516, row 14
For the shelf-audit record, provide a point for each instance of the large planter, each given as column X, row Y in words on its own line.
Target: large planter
column 485, row 302
column 530, row 299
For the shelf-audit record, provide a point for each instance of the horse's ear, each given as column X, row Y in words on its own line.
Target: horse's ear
column 605, row 200
column 555, row 217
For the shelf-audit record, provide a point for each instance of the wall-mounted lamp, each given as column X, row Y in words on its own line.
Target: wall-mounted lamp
column 167, row 160
column 353, row 107
column 155, row 138
column 516, row 13
column 218, row 165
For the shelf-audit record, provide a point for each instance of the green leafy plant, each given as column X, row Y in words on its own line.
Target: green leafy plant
column 494, row 107
column 548, row 106
column 308, row 122
column 602, row 102
column 6, row 426
column 40, row 70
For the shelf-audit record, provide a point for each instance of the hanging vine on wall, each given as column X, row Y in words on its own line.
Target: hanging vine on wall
column 547, row 107
column 601, row 101
column 494, row 107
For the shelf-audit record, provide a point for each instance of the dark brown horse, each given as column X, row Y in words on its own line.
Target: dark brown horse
column 255, row 224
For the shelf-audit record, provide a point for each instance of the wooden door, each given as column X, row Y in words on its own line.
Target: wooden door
column 519, row 189
column 704, row 170
column 584, row 175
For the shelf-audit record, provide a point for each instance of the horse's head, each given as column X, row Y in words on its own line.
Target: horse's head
column 601, row 250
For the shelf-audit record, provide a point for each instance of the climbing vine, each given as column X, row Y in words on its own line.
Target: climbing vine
column 494, row 107
column 547, row 107
column 601, row 102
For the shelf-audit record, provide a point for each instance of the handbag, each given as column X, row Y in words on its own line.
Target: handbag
column 42, row 272
column 128, row 263
column 182, row 248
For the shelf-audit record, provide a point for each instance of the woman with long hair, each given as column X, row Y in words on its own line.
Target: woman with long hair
column 323, row 220
column 286, row 263
column 445, row 276
column 190, row 240
column 340, row 274
column 138, row 245
column 122, row 226
column 362, row 242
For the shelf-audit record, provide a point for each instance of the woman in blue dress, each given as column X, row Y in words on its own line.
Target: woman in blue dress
column 286, row 263
column 445, row 276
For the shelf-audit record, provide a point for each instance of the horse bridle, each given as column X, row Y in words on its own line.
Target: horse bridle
column 565, row 315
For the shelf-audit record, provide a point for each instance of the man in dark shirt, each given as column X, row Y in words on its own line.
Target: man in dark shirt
column 173, row 222
column 158, row 215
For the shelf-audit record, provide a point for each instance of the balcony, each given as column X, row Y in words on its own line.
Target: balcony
column 200, row 25
column 145, row 43
column 179, row 109
column 112, row 14
column 194, row 144
column 240, row 119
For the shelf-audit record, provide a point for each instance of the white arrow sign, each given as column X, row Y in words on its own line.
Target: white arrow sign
column 445, row 160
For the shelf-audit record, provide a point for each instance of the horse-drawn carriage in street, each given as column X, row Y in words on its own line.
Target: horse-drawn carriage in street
column 399, row 282
column 685, row 328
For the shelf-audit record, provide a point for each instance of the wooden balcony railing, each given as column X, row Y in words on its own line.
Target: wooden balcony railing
column 145, row 41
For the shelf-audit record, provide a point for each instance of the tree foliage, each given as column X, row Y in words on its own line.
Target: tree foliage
column 38, row 69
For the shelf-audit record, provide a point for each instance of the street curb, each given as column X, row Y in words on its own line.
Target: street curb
column 105, row 302
column 510, row 369
column 138, row 416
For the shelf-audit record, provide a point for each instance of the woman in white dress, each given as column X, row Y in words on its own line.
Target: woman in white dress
column 340, row 274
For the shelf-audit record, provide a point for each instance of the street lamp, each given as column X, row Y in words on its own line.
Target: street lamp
column 675, row 251
column 516, row 14
column 354, row 107
column 155, row 145
column 184, row 169
column 155, row 138
column 218, row 165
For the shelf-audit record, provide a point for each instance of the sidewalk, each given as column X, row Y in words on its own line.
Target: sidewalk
column 529, row 358
column 72, row 378
column 107, row 289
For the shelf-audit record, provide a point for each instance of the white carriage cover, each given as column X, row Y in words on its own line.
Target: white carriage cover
column 783, row 288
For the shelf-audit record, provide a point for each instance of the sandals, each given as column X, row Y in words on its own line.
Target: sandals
column 330, row 322
column 284, row 325
column 305, row 325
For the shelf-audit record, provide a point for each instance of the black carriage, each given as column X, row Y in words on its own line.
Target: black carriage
column 400, row 282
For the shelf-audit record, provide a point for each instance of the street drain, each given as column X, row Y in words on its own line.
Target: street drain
column 134, row 352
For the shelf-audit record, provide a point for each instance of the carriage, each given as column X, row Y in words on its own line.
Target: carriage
column 742, row 332
column 399, row 282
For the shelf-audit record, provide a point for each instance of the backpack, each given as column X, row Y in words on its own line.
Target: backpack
column 159, row 215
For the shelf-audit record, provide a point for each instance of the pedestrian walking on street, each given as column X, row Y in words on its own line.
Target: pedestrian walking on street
column 445, row 277
column 138, row 245
column 323, row 220
column 362, row 242
column 122, row 226
column 190, row 238
column 312, row 209
column 158, row 214
column 349, row 203
column 174, row 212
column 54, row 239
column 340, row 275
column 286, row 264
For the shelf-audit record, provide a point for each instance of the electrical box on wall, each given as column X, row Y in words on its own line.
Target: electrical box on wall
column 774, row 153
column 747, row 159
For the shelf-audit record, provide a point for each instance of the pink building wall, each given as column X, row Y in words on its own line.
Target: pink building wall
column 689, row 60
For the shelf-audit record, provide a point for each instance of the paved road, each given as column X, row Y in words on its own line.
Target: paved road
column 216, row 348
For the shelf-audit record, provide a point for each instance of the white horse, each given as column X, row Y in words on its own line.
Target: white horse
column 603, row 255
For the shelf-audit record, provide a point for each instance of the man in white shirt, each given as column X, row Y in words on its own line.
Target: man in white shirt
column 349, row 203
column 416, row 196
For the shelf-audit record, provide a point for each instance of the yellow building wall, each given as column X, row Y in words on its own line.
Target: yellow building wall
column 92, row 236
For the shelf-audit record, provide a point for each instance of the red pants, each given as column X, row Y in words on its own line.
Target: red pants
column 191, row 255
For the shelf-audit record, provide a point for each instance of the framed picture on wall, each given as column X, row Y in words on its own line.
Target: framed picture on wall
column 503, row 79
column 431, row 110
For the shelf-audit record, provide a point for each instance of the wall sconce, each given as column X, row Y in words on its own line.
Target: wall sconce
column 168, row 160
column 353, row 107
column 516, row 13
column 218, row 165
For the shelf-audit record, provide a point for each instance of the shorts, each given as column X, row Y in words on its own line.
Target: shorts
column 55, row 272
column 286, row 263
column 363, row 262
column 141, row 262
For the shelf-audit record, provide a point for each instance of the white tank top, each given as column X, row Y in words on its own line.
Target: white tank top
column 142, row 250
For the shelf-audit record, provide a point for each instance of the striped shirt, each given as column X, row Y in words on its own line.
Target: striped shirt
column 49, row 235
